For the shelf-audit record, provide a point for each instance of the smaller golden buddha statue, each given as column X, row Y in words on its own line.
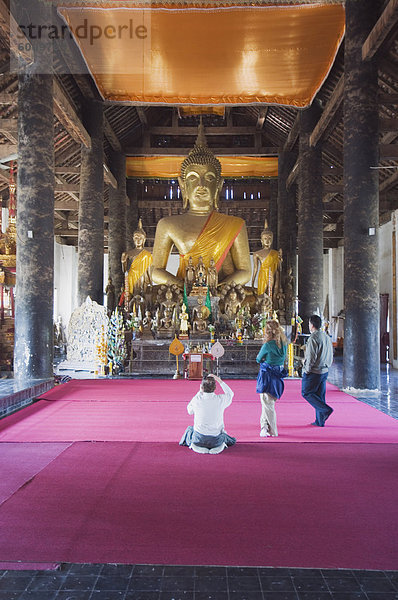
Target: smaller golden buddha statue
column 184, row 322
column 110, row 297
column 147, row 323
column 166, row 321
column 136, row 263
column 190, row 275
column 212, row 277
column 267, row 264
column 232, row 304
column 200, row 322
column 168, row 302
column 200, row 273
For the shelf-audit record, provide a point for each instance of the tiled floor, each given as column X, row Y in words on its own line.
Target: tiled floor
column 153, row 582
column 386, row 400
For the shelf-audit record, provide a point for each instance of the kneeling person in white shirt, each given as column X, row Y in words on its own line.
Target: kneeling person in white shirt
column 207, row 436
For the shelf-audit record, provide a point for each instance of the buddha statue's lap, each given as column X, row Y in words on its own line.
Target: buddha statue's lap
column 202, row 231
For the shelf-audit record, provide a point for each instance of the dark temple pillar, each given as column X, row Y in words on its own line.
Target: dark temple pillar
column 310, row 220
column 273, row 210
column 117, row 220
column 287, row 236
column 132, row 214
column 33, row 355
column 91, row 208
column 361, row 204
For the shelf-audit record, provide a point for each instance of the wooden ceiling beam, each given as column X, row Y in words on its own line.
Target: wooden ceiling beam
column 333, row 207
column 389, row 182
column 111, row 136
column 74, row 233
column 333, row 188
column 9, row 126
column 388, row 99
column 232, row 151
column 8, row 152
column 293, row 135
column 109, row 177
column 67, row 170
column 142, row 115
column 66, row 205
column 67, row 115
column 19, row 45
column 62, row 188
column 293, row 174
column 6, row 98
column 78, row 68
column 383, row 27
column 234, row 204
column 335, row 171
column 384, row 124
column 262, row 115
column 388, row 151
column 209, row 131
column 329, row 113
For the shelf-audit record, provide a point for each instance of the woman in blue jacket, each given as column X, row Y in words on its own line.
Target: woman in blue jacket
column 270, row 383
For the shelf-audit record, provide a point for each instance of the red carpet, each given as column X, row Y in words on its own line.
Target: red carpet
column 298, row 505
column 155, row 410
column 116, row 499
column 21, row 462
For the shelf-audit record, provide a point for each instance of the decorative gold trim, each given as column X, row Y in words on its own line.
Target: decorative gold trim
column 190, row 3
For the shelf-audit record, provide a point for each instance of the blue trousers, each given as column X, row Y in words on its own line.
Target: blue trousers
column 313, row 389
column 191, row 436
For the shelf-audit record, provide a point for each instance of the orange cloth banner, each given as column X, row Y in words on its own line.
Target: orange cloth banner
column 195, row 55
column 168, row 167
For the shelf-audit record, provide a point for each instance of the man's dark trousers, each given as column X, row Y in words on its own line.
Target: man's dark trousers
column 313, row 389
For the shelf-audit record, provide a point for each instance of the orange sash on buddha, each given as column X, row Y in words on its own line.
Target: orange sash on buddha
column 138, row 267
column 214, row 241
column 270, row 262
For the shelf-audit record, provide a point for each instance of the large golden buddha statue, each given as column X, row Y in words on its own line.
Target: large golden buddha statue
column 202, row 231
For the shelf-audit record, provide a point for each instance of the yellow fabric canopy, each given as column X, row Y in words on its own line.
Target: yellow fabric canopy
column 168, row 167
column 222, row 55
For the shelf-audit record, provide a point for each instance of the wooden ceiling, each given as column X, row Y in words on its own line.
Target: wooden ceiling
column 154, row 130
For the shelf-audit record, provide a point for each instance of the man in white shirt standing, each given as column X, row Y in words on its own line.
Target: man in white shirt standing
column 207, row 436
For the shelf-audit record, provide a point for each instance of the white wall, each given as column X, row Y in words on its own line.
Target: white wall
column 385, row 259
column 65, row 282
column 386, row 275
column 326, row 302
column 336, row 280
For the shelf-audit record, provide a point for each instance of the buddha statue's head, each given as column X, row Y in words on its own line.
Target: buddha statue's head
column 200, row 181
column 139, row 236
column 267, row 236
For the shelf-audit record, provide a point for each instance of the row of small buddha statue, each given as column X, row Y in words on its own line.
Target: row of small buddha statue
column 169, row 316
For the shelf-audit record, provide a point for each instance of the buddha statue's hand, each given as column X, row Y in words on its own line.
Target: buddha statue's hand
column 163, row 277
